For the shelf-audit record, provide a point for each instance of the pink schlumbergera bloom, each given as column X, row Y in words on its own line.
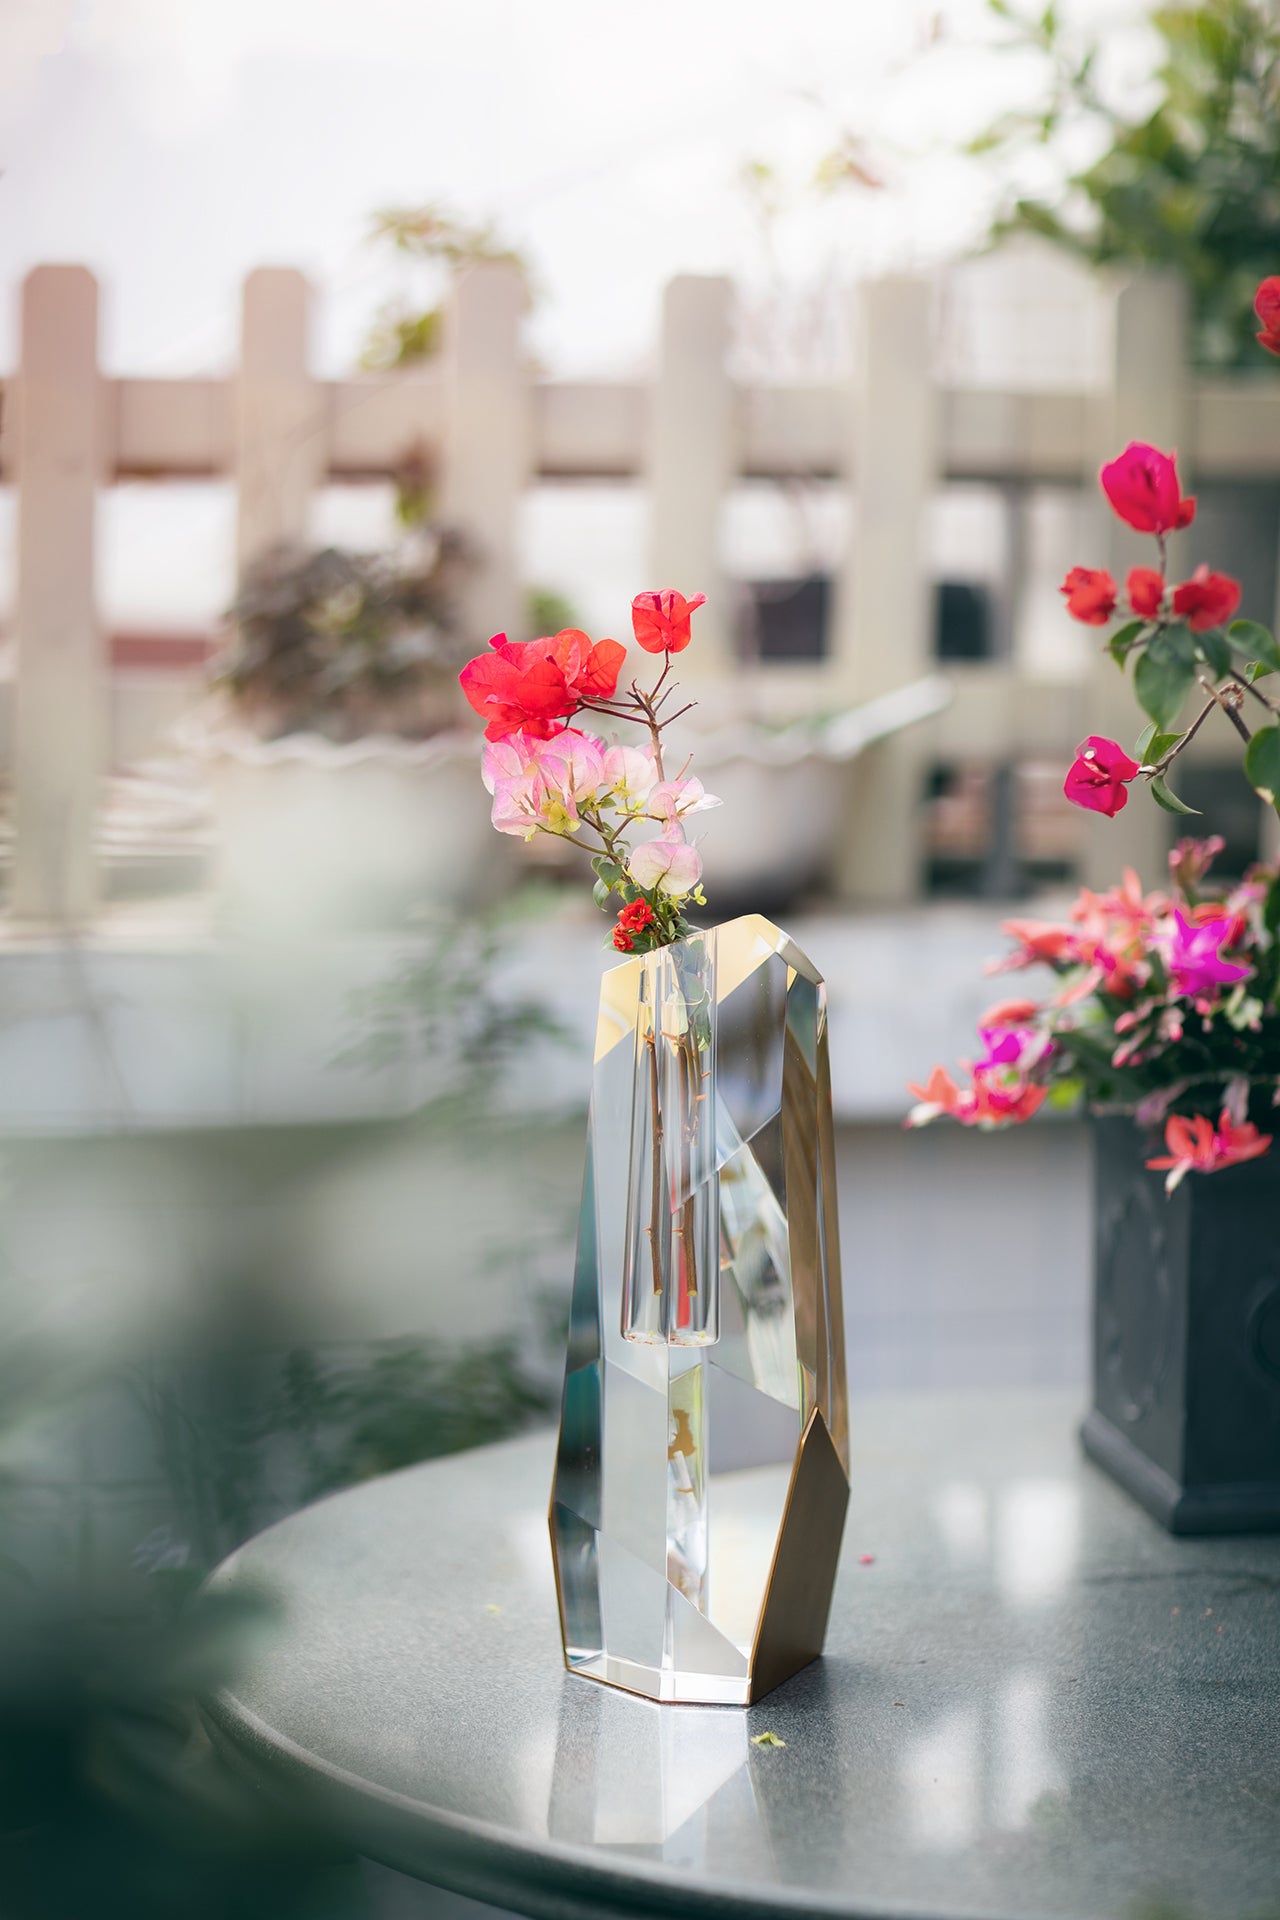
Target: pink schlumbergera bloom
column 1196, row 1146
column 1150, row 1010
column 1194, row 952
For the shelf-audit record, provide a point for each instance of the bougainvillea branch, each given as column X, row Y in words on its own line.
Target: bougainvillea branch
column 1177, row 636
column 549, row 776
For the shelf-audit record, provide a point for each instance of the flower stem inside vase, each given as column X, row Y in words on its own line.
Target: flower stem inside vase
column 671, row 1283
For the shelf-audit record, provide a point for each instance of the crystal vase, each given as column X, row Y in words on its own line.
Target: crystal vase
column 702, row 1468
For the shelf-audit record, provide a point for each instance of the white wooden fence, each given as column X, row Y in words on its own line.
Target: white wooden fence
column 893, row 433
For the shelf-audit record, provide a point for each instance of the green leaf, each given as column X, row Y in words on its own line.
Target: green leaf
column 600, row 893
column 1169, row 801
column 1064, row 1094
column 1162, row 681
column 1255, row 643
column 1262, row 762
column 1215, row 650
column 1271, row 907
column 1123, row 639
column 1152, row 745
column 607, row 869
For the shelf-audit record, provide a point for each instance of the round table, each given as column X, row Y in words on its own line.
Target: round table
column 1033, row 1701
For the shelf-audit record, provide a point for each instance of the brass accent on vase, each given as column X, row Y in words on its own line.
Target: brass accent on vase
column 702, row 1469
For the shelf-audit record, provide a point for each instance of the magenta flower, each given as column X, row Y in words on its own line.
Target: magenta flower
column 1195, row 958
column 1099, row 775
column 1022, row 1047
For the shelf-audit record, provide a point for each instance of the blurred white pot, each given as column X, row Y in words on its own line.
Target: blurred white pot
column 314, row 834
column 786, row 791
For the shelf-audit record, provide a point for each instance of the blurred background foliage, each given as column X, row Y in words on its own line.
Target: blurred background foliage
column 1192, row 185
column 348, row 644
column 167, row 1444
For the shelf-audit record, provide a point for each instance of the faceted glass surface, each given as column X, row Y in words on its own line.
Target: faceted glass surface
column 704, row 1398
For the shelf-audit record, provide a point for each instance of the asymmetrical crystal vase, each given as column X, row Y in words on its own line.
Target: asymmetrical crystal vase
column 702, row 1471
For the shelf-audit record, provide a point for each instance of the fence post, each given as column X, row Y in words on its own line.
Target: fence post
column 61, row 716
column 882, row 624
column 691, row 461
column 488, row 439
column 280, row 426
column 1148, row 399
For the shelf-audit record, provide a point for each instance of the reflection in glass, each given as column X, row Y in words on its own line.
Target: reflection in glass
column 704, row 1398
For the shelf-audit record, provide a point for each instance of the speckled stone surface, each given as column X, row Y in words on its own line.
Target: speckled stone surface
column 1033, row 1701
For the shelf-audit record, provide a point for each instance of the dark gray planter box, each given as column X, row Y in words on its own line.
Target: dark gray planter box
column 1186, row 1338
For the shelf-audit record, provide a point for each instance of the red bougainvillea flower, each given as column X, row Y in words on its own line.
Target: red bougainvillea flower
column 1266, row 304
column 660, row 621
column 1142, row 485
column 1091, row 595
column 1194, row 952
column 1195, row 1146
column 1145, row 588
column 1206, row 599
column 636, row 917
column 1099, row 775
column 528, row 686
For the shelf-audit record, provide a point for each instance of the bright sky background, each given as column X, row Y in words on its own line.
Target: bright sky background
column 173, row 144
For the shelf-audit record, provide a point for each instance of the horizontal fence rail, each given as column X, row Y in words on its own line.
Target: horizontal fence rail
column 490, row 428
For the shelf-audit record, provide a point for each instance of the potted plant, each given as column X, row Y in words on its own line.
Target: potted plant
column 341, row 767
column 1162, row 1018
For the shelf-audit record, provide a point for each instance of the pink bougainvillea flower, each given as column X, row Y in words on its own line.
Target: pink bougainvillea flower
column 538, row 783
column 1266, row 304
column 528, row 686
column 671, row 800
column 1142, row 485
column 1196, row 1146
column 1091, row 595
column 660, row 621
column 1206, row 599
column 630, row 773
column 668, row 865
column 1193, row 949
column 1145, row 588
column 1099, row 775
